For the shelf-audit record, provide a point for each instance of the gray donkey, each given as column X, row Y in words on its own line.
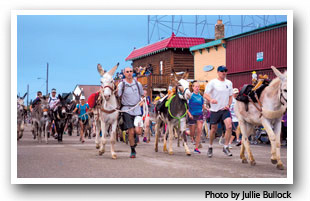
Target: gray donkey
column 41, row 119
column 21, row 113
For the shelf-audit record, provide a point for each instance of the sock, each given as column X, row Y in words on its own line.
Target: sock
column 225, row 146
column 133, row 149
column 210, row 146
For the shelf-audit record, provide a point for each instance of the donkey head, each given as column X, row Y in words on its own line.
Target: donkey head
column 62, row 104
column 183, row 85
column 283, row 86
column 20, row 104
column 107, row 82
column 76, row 98
column 45, row 106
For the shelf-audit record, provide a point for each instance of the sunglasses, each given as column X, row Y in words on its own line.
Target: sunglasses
column 130, row 71
column 223, row 71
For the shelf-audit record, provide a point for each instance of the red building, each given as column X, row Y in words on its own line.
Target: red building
column 257, row 50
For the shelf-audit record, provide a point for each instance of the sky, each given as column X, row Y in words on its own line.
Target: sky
column 73, row 45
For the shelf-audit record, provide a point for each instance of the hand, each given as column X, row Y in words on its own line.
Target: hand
column 227, row 107
column 191, row 116
column 213, row 101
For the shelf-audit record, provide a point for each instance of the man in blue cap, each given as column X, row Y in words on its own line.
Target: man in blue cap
column 219, row 93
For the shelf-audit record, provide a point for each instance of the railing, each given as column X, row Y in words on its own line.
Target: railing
column 155, row 81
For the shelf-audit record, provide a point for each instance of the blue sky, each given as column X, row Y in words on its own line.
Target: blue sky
column 73, row 45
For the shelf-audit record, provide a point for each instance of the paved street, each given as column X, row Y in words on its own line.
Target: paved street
column 71, row 159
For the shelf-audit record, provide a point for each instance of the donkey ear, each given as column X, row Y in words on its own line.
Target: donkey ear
column 278, row 73
column 24, row 95
column 112, row 71
column 185, row 75
column 174, row 79
column 65, row 98
column 100, row 70
column 59, row 97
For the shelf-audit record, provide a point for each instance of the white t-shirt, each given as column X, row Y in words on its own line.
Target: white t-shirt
column 52, row 101
column 220, row 91
column 232, row 110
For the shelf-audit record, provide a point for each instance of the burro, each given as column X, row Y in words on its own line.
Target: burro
column 211, row 194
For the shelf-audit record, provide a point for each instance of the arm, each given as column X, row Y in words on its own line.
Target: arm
column 208, row 97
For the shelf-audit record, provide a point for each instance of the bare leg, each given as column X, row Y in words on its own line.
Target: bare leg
column 198, row 134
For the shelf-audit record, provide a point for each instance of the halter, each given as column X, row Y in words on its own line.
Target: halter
column 101, row 94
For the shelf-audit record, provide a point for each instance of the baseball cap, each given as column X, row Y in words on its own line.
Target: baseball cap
column 82, row 97
column 53, row 90
column 221, row 68
column 235, row 90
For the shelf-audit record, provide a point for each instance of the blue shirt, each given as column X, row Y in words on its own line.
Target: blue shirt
column 195, row 104
column 82, row 109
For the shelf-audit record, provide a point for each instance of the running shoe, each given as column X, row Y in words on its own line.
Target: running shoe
column 197, row 151
column 238, row 143
column 227, row 151
column 210, row 152
column 133, row 155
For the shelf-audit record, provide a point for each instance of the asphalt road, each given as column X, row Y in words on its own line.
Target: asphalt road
column 71, row 159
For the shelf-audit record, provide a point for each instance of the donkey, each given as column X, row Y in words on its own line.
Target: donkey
column 45, row 119
column 60, row 115
column 40, row 118
column 274, row 103
column 174, row 115
column 73, row 119
column 21, row 113
column 108, row 114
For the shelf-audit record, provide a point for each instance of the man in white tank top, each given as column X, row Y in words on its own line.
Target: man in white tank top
column 219, row 93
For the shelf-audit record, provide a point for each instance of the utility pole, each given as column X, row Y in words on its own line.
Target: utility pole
column 47, row 79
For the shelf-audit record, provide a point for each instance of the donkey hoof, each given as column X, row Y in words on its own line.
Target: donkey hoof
column 97, row 146
column 274, row 161
column 114, row 156
column 244, row 161
column 101, row 152
column 280, row 166
column 156, row 149
column 253, row 163
column 188, row 154
column 170, row 152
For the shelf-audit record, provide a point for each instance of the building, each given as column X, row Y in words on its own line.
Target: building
column 255, row 50
column 87, row 90
column 164, row 57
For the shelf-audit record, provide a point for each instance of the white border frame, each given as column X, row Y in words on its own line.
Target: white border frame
column 15, row 180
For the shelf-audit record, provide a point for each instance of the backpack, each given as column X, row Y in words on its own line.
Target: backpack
column 123, row 89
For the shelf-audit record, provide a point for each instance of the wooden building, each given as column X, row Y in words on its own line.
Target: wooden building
column 164, row 56
column 255, row 50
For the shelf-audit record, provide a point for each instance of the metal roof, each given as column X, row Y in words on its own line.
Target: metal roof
column 221, row 41
column 172, row 42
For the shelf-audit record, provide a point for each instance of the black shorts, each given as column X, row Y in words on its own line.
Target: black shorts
column 219, row 116
column 128, row 121
column 85, row 121
column 194, row 120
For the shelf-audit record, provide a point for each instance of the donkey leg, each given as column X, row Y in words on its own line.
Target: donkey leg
column 242, row 156
column 97, row 134
column 171, row 135
column 277, row 130
column 113, row 139
column 165, row 141
column 103, row 140
column 181, row 131
column 245, row 130
column 45, row 131
column 157, row 128
column 272, row 138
